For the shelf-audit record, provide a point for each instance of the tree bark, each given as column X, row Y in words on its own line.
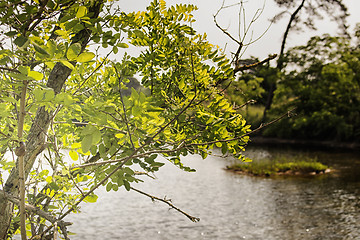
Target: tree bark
column 36, row 138
column 280, row 62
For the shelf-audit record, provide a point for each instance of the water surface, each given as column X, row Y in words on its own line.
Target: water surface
column 231, row 206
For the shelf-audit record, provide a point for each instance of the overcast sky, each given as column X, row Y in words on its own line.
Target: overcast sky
column 269, row 43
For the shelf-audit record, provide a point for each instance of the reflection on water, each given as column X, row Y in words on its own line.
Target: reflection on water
column 231, row 206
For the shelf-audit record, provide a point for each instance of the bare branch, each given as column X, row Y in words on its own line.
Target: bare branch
column 246, row 67
column 168, row 202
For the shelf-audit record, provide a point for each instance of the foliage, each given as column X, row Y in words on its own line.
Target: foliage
column 77, row 111
column 270, row 167
column 324, row 85
column 248, row 91
column 303, row 14
column 336, row 11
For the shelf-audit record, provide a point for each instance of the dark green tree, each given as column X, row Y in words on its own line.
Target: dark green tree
column 324, row 86
column 304, row 14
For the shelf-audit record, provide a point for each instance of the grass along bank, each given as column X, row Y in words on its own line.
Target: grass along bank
column 280, row 166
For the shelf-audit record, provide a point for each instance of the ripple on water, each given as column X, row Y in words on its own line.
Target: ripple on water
column 230, row 207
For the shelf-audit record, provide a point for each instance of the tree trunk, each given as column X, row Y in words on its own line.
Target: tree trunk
column 36, row 138
column 280, row 62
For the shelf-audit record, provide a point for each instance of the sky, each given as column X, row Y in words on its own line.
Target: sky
column 269, row 43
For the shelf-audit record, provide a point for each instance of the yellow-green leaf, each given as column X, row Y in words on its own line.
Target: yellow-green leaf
column 85, row 57
column 75, row 145
column 73, row 51
column 91, row 198
column 81, row 12
column 73, row 154
column 123, row 45
column 68, row 64
column 48, row 179
column 119, row 135
column 35, row 75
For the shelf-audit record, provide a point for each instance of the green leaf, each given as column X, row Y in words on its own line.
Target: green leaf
column 38, row 94
column 18, row 76
column 96, row 136
column 136, row 111
column 74, row 155
column 129, row 171
column 11, row 33
column 51, row 47
column 24, row 70
column 93, row 150
column 119, row 135
column 224, row 148
column 109, row 186
column 115, row 187
column 86, row 143
column 40, row 50
column 85, row 57
column 49, row 94
column 73, row 51
column 20, row 41
column 69, row 25
column 68, row 64
column 127, row 185
column 61, row 32
column 115, row 49
column 81, row 12
column 122, row 45
column 91, row 198
column 36, row 75
column 88, row 130
column 134, row 94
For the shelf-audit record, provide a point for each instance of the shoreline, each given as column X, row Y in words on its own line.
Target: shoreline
column 258, row 140
column 275, row 174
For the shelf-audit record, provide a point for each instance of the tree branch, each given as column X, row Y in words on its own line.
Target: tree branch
column 246, row 67
column 20, row 152
column 34, row 210
column 168, row 202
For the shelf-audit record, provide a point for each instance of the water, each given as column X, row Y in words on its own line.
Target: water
column 231, row 206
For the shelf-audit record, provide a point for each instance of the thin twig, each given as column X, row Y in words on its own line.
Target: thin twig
column 168, row 202
column 124, row 109
column 244, row 104
column 246, row 67
column 92, row 73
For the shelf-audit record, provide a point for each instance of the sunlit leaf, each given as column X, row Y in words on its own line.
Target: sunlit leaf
column 68, row 64
column 92, row 198
column 74, row 155
column 81, row 12
column 85, row 57
column 36, row 75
